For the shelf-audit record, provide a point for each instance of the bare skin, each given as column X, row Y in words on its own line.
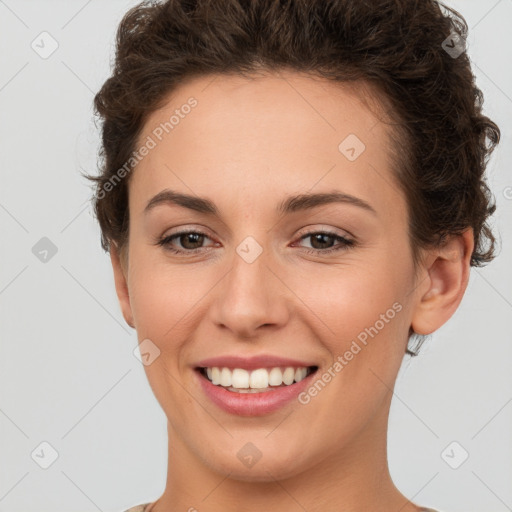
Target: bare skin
column 247, row 145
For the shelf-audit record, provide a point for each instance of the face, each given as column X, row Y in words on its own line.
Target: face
column 273, row 281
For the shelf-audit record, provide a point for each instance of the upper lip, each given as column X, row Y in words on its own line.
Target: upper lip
column 251, row 363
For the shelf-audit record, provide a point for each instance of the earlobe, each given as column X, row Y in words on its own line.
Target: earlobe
column 445, row 283
column 121, row 285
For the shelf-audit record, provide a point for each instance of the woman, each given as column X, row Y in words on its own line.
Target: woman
column 291, row 192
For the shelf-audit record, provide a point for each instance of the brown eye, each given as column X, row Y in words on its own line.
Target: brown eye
column 322, row 242
column 191, row 240
column 188, row 242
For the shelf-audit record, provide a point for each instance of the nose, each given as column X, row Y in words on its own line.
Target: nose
column 250, row 297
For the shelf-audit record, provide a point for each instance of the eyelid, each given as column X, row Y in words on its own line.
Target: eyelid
column 316, row 228
column 199, row 229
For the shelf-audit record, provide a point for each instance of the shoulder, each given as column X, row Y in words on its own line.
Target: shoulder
column 139, row 508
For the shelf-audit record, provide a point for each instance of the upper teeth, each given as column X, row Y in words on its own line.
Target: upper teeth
column 260, row 378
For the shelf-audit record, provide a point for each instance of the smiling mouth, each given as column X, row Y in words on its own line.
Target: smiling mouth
column 240, row 380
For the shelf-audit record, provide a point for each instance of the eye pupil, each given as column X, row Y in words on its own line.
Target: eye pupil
column 320, row 237
column 196, row 238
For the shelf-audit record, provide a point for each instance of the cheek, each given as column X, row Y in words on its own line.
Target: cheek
column 366, row 319
column 352, row 298
column 363, row 316
column 163, row 299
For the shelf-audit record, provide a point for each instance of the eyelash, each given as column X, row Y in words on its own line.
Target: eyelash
column 345, row 243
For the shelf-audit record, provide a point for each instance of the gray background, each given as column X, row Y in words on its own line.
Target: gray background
column 68, row 376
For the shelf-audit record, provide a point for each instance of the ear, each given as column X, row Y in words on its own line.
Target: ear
column 121, row 283
column 446, row 280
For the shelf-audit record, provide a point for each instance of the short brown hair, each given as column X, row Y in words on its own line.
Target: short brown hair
column 399, row 46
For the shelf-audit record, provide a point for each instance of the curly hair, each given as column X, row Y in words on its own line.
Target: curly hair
column 442, row 141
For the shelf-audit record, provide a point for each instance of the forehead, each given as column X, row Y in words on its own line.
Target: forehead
column 264, row 134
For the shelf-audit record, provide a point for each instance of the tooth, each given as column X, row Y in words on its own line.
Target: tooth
column 288, row 375
column 225, row 377
column 275, row 377
column 240, row 378
column 262, row 378
column 215, row 376
column 259, row 378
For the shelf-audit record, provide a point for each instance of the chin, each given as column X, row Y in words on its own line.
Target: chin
column 274, row 465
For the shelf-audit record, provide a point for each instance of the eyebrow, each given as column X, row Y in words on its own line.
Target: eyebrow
column 289, row 205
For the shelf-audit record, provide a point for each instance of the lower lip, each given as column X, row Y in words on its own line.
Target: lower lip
column 253, row 404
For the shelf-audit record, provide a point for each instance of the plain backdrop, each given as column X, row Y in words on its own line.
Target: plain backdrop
column 72, row 394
